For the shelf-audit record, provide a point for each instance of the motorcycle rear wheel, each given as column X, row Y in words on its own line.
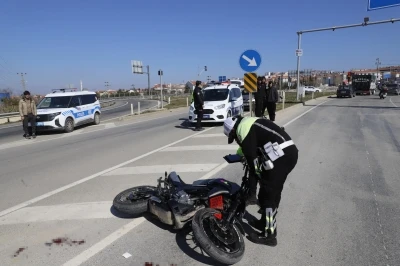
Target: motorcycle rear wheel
column 134, row 201
column 204, row 225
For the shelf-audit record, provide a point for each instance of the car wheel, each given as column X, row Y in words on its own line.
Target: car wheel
column 69, row 125
column 96, row 119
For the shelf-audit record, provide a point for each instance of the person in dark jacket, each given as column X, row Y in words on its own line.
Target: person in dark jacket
column 198, row 104
column 260, row 97
column 270, row 150
column 272, row 98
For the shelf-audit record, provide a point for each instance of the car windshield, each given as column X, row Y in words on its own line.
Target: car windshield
column 54, row 102
column 216, row 95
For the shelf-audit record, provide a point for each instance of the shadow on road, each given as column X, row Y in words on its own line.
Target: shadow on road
column 187, row 125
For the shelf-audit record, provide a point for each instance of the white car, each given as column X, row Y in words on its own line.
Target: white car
column 66, row 110
column 220, row 102
column 311, row 89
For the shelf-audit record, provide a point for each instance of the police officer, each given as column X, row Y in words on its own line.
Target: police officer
column 275, row 162
column 272, row 98
column 259, row 97
column 198, row 104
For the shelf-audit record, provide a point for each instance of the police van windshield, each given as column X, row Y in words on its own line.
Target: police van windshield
column 216, row 95
column 54, row 102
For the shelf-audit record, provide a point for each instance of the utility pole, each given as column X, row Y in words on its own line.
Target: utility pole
column 377, row 63
column 23, row 82
column 160, row 73
column 107, row 84
column 81, row 86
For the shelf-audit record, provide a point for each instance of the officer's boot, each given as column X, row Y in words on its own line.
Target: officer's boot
column 268, row 227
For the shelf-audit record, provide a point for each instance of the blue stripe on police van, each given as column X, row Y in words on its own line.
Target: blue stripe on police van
column 82, row 113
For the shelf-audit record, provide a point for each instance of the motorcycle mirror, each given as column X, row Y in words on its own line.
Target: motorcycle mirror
column 165, row 174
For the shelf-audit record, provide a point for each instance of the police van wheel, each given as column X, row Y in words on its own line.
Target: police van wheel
column 96, row 119
column 69, row 125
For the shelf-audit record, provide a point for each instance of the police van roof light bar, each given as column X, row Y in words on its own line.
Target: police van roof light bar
column 63, row 90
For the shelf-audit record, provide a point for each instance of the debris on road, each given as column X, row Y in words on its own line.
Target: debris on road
column 19, row 251
column 126, row 255
column 65, row 240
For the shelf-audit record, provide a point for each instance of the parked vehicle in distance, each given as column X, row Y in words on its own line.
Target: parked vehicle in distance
column 345, row 91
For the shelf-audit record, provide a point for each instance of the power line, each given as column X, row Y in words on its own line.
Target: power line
column 23, row 80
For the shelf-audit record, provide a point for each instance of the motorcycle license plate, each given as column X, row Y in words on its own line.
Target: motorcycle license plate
column 343, row 92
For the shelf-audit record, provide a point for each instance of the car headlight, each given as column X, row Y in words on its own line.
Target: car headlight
column 219, row 106
column 191, row 108
column 53, row 115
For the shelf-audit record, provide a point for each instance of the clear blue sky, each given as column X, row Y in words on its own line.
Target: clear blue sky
column 60, row 42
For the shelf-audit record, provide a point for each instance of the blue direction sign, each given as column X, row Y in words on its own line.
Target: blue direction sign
column 250, row 60
column 221, row 78
column 378, row 4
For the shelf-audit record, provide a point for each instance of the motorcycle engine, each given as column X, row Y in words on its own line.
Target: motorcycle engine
column 183, row 198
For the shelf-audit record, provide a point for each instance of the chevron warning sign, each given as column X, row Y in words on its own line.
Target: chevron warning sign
column 250, row 82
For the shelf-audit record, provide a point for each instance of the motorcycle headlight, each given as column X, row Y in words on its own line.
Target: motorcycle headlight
column 219, row 106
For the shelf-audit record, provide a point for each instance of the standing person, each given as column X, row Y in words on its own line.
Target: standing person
column 266, row 147
column 198, row 104
column 272, row 99
column 259, row 97
column 28, row 113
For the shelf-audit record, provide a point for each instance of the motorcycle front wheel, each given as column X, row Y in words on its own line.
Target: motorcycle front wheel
column 225, row 245
column 134, row 201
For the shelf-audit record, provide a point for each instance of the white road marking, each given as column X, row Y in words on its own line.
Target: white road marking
column 392, row 102
column 109, row 125
column 66, row 135
column 154, row 169
column 96, row 248
column 99, row 246
column 62, row 212
column 297, row 117
column 232, row 147
column 211, row 135
column 46, row 195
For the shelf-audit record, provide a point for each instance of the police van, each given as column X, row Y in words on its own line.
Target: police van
column 62, row 110
column 220, row 102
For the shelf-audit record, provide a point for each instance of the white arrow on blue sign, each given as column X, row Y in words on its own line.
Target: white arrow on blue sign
column 250, row 60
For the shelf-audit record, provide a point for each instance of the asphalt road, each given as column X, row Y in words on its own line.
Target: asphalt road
column 340, row 205
column 14, row 131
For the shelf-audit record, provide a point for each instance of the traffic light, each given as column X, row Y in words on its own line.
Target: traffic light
column 205, row 68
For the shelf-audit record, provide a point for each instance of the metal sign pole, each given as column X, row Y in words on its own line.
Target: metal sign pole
column 365, row 23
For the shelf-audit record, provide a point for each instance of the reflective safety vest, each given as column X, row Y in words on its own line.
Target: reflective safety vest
column 244, row 127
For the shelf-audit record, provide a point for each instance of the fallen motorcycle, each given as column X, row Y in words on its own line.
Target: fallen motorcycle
column 217, row 228
column 173, row 202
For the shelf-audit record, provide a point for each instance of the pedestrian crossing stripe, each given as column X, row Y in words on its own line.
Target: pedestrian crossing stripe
column 250, row 82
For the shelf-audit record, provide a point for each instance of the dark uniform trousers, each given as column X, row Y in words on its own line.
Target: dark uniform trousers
column 272, row 181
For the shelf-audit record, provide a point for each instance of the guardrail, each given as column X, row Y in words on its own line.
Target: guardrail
column 15, row 117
